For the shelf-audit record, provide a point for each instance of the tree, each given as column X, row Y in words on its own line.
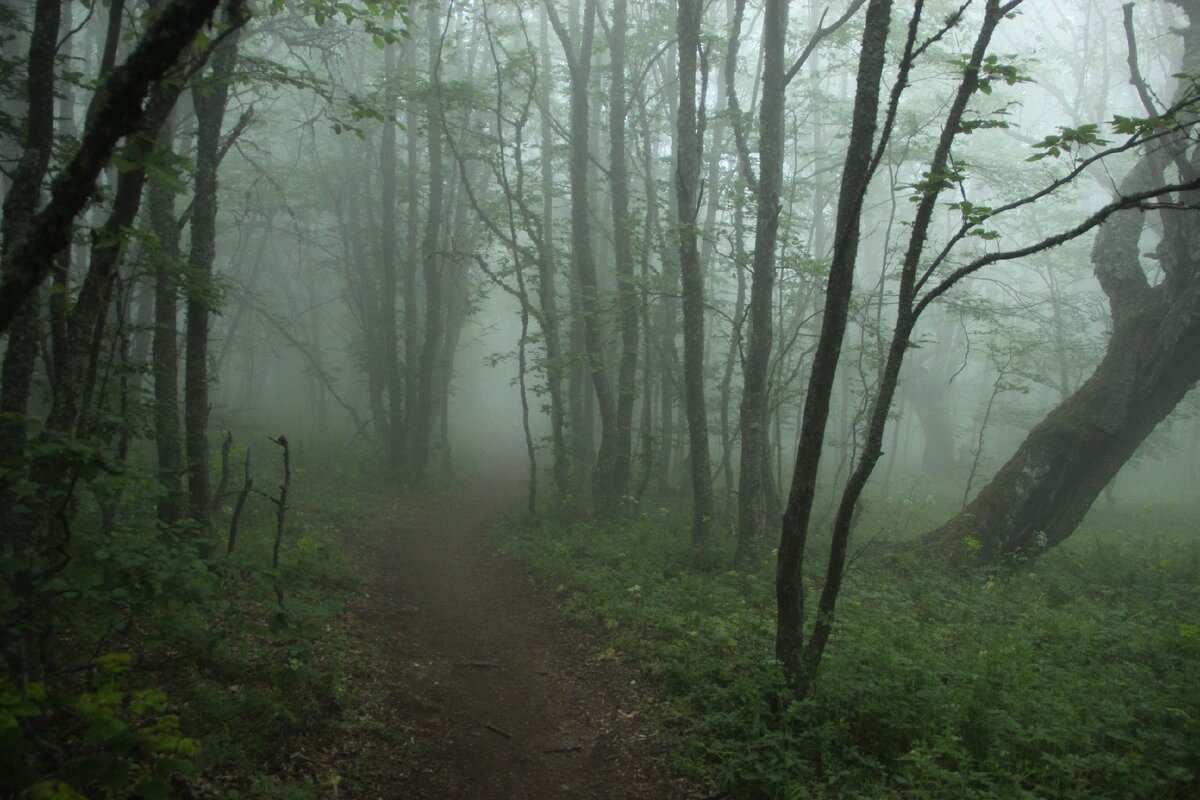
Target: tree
column 617, row 483
column 160, row 202
column 799, row 660
column 1039, row 497
column 20, row 356
column 210, row 95
column 918, row 289
column 754, row 417
column 690, row 126
column 422, row 417
column 117, row 110
column 579, row 66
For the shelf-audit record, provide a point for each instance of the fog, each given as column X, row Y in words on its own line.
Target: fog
column 804, row 279
column 304, row 246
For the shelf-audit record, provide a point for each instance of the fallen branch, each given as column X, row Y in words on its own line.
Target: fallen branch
column 492, row 728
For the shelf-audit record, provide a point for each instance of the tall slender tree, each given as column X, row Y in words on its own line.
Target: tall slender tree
column 579, row 65
column 210, row 95
column 690, row 126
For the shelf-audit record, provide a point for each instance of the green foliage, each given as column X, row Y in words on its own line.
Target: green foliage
column 993, row 69
column 1068, row 140
column 384, row 20
column 161, row 664
column 1072, row 677
column 123, row 741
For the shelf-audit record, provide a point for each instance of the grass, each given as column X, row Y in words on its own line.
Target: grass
column 1074, row 676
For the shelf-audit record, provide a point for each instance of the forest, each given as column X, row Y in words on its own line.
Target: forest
column 593, row 399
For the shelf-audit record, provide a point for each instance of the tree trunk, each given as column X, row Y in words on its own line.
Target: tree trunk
column 627, row 290
column 789, row 581
column 210, row 94
column 20, row 203
column 389, row 256
column 74, row 371
column 687, row 189
column 582, row 258
column 752, row 511
column 547, row 291
column 1042, row 493
column 412, row 260
column 431, row 265
column 930, row 398
column 117, row 110
column 907, row 313
column 160, row 208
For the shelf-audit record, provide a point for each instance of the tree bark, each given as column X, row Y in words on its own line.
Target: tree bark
column 389, row 253
column 627, row 290
column 547, row 291
column 431, row 266
column 687, row 190
column 752, row 511
column 582, row 258
column 20, row 357
column 210, row 94
column 74, row 370
column 160, row 208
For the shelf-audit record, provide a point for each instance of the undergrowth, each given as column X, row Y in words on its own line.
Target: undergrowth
column 1073, row 676
column 173, row 669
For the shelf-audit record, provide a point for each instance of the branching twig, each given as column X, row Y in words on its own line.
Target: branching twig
column 281, row 512
column 247, row 485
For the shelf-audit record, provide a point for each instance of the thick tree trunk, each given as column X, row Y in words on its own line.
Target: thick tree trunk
column 1152, row 361
column 1042, row 493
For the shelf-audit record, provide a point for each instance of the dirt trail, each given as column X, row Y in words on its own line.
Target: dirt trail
column 505, row 698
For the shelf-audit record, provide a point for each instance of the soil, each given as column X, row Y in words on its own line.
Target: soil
column 479, row 687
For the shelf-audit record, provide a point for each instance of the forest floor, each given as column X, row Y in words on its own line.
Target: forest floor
column 480, row 687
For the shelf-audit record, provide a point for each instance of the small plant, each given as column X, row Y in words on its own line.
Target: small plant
column 937, row 685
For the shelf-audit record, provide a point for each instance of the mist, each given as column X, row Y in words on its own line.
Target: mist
column 830, row 360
